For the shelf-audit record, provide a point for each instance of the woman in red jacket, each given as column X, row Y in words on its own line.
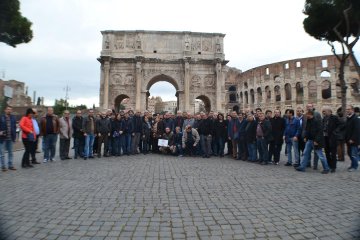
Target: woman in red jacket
column 28, row 137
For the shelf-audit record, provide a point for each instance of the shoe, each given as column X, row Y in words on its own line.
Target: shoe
column 85, row 158
column 296, row 165
column 25, row 167
column 30, row 166
column 12, row 168
column 35, row 162
column 352, row 170
column 325, row 172
column 288, row 164
column 45, row 160
column 37, row 151
column 91, row 156
column 333, row 170
column 75, row 157
column 4, row 169
column 277, row 163
column 300, row 169
column 52, row 160
column 62, row 159
column 315, row 168
column 68, row 157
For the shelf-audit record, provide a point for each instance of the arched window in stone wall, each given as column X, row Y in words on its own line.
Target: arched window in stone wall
column 259, row 95
column 241, row 98
column 277, row 93
column 299, row 93
column 287, row 92
column 246, row 98
column 252, row 96
column 325, row 74
column 268, row 93
column 232, row 94
column 245, row 85
column 338, row 89
column 312, row 88
column 326, row 89
column 355, row 87
column 277, row 78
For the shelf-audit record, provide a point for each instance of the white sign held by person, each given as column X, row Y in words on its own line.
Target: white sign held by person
column 163, row 143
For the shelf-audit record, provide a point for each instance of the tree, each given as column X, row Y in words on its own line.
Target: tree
column 14, row 28
column 335, row 21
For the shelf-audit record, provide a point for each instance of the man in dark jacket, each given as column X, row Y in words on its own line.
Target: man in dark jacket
column 206, row 129
column 89, row 129
column 314, row 139
column 103, row 129
column 233, row 133
column 78, row 134
column 7, row 137
column 250, row 137
column 278, row 128
column 136, row 133
column 352, row 137
column 263, row 137
column 330, row 123
column 179, row 121
column 49, row 129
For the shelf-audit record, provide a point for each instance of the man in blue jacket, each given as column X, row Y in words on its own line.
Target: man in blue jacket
column 7, row 137
column 291, row 136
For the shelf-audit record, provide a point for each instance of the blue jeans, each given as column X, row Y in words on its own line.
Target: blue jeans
column 262, row 146
column 205, row 141
column 354, row 156
column 219, row 146
column 78, row 147
column 89, row 144
column 295, row 146
column 309, row 146
column 126, row 143
column 8, row 144
column 252, row 151
column 50, row 146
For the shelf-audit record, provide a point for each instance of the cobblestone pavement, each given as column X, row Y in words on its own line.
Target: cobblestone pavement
column 164, row 197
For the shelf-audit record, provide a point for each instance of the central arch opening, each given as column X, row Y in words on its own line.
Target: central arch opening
column 202, row 104
column 162, row 95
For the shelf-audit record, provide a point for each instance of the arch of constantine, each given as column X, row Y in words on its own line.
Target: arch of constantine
column 194, row 63
column 132, row 61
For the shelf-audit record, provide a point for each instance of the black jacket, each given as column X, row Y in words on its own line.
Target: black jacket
column 220, row 129
column 267, row 130
column 206, row 127
column 314, row 131
column 352, row 130
column 77, row 125
column 250, row 131
column 278, row 128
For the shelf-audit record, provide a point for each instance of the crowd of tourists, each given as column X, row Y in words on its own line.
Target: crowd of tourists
column 256, row 136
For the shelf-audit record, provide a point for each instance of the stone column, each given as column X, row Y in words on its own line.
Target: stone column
column 219, row 83
column 186, row 87
column 138, row 76
column 106, row 84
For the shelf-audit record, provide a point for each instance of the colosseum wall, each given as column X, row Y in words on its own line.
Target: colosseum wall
column 292, row 83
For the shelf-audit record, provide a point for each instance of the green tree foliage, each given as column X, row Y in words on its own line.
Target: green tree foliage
column 60, row 107
column 14, row 28
column 335, row 21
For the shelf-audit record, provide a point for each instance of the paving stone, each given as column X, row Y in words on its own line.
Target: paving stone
column 163, row 197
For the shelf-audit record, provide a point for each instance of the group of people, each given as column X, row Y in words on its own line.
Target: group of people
column 254, row 136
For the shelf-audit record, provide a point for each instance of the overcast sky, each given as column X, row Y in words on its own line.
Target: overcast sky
column 67, row 38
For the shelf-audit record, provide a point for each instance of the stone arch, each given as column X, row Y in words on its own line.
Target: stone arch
column 277, row 93
column 246, row 85
column 246, row 98
column 118, row 100
column 241, row 98
column 268, row 93
column 206, row 102
column 252, row 96
column 299, row 93
column 165, row 78
column 259, row 95
column 277, row 78
column 325, row 74
column 312, row 90
column 162, row 78
column 287, row 90
column 232, row 94
column 355, row 87
column 326, row 89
